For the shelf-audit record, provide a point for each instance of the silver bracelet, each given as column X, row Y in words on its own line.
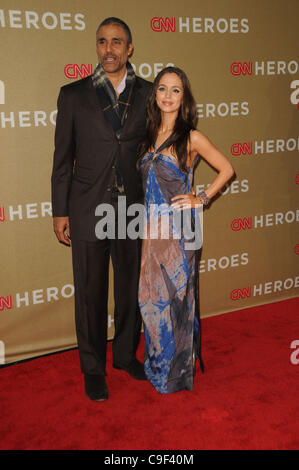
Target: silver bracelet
column 204, row 199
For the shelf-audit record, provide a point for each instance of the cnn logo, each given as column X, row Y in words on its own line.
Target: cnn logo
column 75, row 71
column 238, row 149
column 241, row 224
column 158, row 24
column 238, row 294
column 237, row 68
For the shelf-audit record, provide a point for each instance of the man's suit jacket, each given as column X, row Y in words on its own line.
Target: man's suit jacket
column 85, row 151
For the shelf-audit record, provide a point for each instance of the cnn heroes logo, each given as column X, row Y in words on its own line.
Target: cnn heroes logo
column 38, row 118
column 234, row 187
column 266, row 288
column 48, row 20
column 33, row 210
column 37, row 296
column 265, row 220
column 265, row 147
column 200, row 25
column 268, row 67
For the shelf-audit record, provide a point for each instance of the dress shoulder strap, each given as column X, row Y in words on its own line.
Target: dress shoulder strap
column 163, row 146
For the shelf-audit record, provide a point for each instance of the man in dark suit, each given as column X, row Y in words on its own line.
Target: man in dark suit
column 100, row 123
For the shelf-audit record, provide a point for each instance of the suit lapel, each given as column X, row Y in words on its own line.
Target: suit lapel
column 93, row 102
column 131, row 113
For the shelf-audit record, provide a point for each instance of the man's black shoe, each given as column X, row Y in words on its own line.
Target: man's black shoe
column 135, row 369
column 95, row 387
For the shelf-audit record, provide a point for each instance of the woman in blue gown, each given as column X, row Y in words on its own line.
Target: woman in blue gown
column 168, row 285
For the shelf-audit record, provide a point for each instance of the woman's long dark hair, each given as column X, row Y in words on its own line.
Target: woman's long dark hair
column 185, row 121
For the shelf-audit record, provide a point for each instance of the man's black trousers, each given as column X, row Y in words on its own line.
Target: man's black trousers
column 91, row 275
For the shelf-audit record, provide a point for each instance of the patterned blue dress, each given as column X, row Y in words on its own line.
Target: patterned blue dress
column 168, row 285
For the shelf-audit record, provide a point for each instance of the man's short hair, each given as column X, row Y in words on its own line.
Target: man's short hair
column 113, row 20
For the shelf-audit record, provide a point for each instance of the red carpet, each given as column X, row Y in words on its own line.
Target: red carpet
column 246, row 399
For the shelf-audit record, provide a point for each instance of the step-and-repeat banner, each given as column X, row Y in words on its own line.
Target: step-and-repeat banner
column 242, row 59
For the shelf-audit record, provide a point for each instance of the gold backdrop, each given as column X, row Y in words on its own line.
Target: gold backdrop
column 242, row 60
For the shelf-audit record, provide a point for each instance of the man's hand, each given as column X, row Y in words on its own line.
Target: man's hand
column 62, row 229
